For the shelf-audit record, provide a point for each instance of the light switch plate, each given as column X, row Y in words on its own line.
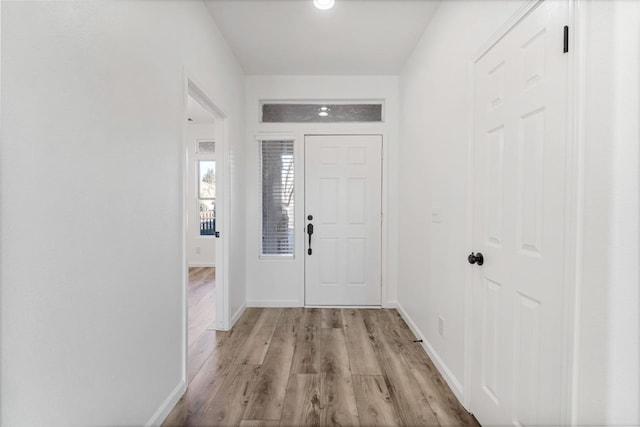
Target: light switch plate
column 436, row 215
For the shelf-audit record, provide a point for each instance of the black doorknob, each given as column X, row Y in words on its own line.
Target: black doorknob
column 476, row 258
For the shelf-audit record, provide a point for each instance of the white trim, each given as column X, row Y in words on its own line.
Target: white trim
column 196, row 90
column 447, row 374
column 574, row 217
column 276, row 136
column 356, row 307
column 274, row 303
column 2, row 339
column 468, row 300
column 574, row 177
column 165, row 408
column 223, row 208
column 192, row 88
column 319, row 101
column 239, row 312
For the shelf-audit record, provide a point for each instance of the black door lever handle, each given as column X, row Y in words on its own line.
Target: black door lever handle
column 309, row 232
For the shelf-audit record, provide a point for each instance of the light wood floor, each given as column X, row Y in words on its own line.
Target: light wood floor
column 317, row 367
column 202, row 334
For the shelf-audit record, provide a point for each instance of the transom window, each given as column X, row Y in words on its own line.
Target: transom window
column 321, row 113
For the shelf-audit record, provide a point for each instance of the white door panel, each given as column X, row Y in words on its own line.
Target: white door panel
column 343, row 195
column 519, row 197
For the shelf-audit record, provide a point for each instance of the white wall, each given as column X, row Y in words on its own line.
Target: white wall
column 434, row 93
column 433, row 174
column 91, row 285
column 281, row 282
column 201, row 250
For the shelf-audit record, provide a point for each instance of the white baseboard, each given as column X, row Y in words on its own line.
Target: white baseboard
column 274, row 303
column 451, row 379
column 168, row 404
column 201, row 264
column 237, row 315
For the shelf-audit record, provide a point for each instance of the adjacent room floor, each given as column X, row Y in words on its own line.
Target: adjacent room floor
column 319, row 367
column 202, row 316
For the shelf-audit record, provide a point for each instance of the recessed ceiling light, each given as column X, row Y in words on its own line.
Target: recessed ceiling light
column 324, row 108
column 324, row 4
column 323, row 114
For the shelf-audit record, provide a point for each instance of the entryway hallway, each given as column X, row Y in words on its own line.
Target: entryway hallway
column 318, row 367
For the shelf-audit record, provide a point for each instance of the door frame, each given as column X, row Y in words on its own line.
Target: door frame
column 574, row 178
column 297, row 133
column 383, row 222
column 192, row 88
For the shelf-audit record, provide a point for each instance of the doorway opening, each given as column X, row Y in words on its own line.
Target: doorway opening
column 205, row 293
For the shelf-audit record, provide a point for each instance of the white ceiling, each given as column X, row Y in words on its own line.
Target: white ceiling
column 293, row 37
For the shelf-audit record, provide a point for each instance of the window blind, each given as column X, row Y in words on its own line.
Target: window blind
column 277, row 174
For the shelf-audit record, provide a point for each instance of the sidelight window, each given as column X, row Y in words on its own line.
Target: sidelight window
column 277, row 171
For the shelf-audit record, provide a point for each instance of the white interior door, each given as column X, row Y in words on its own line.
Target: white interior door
column 519, row 204
column 343, row 194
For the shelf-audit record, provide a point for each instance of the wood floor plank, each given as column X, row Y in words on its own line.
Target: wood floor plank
column 302, row 401
column 200, row 392
column 257, row 343
column 443, row 402
column 230, row 402
column 201, row 281
column 260, row 423
column 237, row 336
column 359, row 344
column 331, row 318
column 373, row 401
column 268, row 394
column 179, row 415
column 200, row 351
column 338, row 401
column 334, row 358
column 307, row 373
column 306, row 358
column 408, row 400
column 201, row 314
column 403, row 339
column 207, row 381
column 313, row 317
column 441, row 398
column 201, row 302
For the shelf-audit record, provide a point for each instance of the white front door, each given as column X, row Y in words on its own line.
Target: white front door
column 519, row 212
column 343, row 187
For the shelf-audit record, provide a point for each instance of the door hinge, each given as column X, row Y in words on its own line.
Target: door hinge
column 566, row 39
